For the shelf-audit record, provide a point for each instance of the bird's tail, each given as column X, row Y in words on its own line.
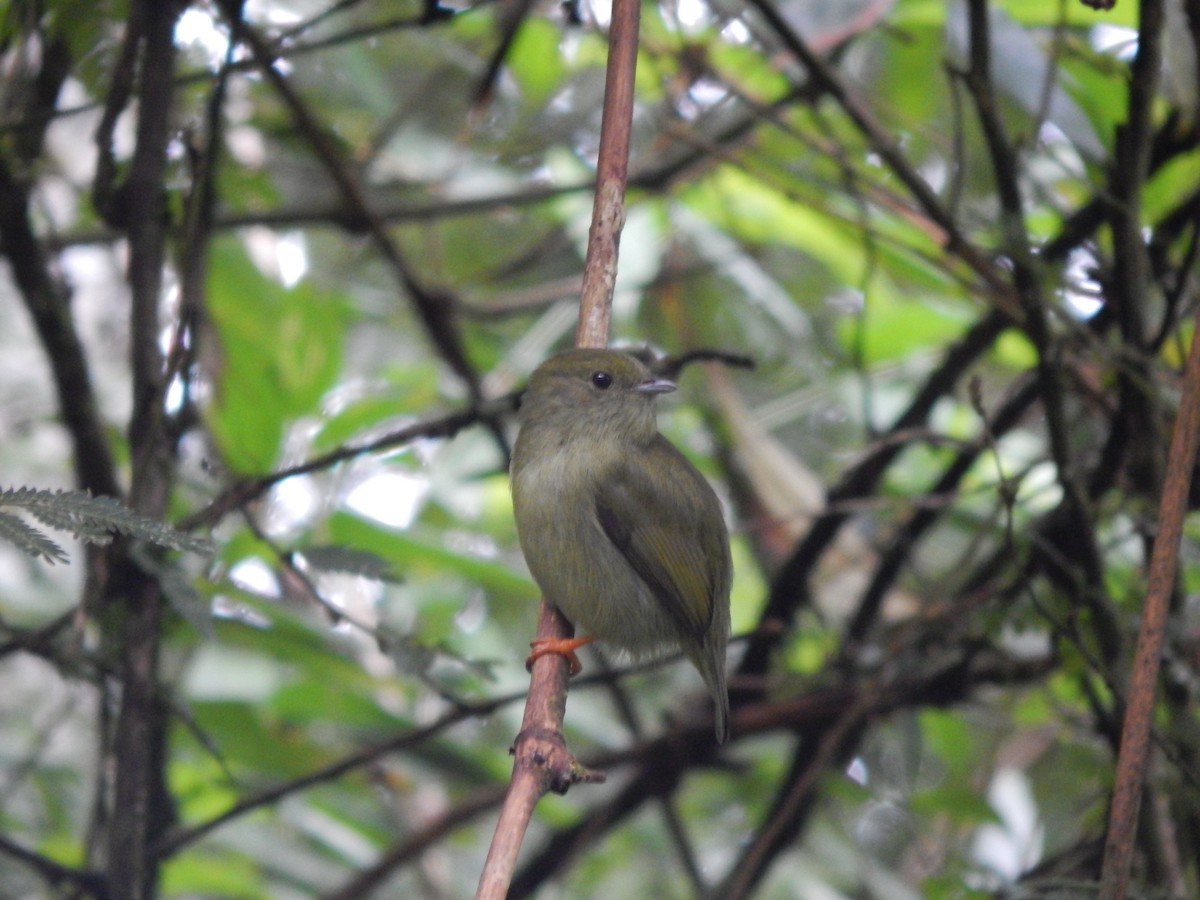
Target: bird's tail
column 710, row 661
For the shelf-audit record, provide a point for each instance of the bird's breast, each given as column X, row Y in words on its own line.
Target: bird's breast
column 575, row 563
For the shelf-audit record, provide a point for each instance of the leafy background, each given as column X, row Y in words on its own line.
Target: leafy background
column 941, row 476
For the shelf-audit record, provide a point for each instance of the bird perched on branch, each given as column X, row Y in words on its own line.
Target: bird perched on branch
column 619, row 529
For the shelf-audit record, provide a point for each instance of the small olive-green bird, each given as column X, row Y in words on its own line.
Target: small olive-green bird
column 620, row 531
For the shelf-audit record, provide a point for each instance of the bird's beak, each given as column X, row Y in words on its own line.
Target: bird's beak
column 655, row 386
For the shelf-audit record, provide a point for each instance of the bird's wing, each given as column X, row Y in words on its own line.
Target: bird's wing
column 664, row 527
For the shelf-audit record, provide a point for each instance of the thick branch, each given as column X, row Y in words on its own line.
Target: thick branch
column 141, row 805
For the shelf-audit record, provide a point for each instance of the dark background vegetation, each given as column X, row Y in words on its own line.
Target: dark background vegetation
column 270, row 274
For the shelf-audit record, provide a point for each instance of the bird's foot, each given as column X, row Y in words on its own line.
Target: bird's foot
column 564, row 647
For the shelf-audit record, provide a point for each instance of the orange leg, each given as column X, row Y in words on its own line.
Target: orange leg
column 565, row 647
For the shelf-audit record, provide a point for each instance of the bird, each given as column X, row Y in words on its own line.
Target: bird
column 619, row 530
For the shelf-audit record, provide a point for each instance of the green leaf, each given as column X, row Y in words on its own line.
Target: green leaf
column 280, row 351
column 948, row 737
column 292, row 639
column 899, row 326
column 908, row 13
column 411, row 384
column 355, row 419
column 224, row 673
column 333, row 558
column 1176, row 180
column 411, row 553
column 745, row 67
column 535, row 61
column 757, row 213
column 206, row 873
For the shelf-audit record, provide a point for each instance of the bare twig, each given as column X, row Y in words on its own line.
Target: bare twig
column 92, row 883
column 789, row 589
column 1028, row 280
column 812, row 759
column 612, row 167
column 1139, row 703
column 509, row 21
column 542, row 760
column 899, row 549
column 248, row 490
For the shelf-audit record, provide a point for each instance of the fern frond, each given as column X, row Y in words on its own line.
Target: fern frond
column 29, row 540
column 92, row 519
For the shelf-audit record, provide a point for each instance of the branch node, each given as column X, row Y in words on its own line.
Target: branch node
column 544, row 751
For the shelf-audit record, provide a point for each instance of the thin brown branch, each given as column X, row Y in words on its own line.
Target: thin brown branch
column 336, row 215
column 668, row 809
column 1129, row 288
column 543, row 762
column 836, row 721
column 612, row 168
column 246, row 491
column 1139, row 702
column 285, row 46
column 193, row 247
column 814, row 757
column 789, row 589
column 902, row 544
column 1130, row 165
column 510, row 18
column 116, row 99
column 46, row 298
column 657, row 777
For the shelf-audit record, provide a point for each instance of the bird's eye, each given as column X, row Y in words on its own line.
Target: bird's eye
column 602, row 380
